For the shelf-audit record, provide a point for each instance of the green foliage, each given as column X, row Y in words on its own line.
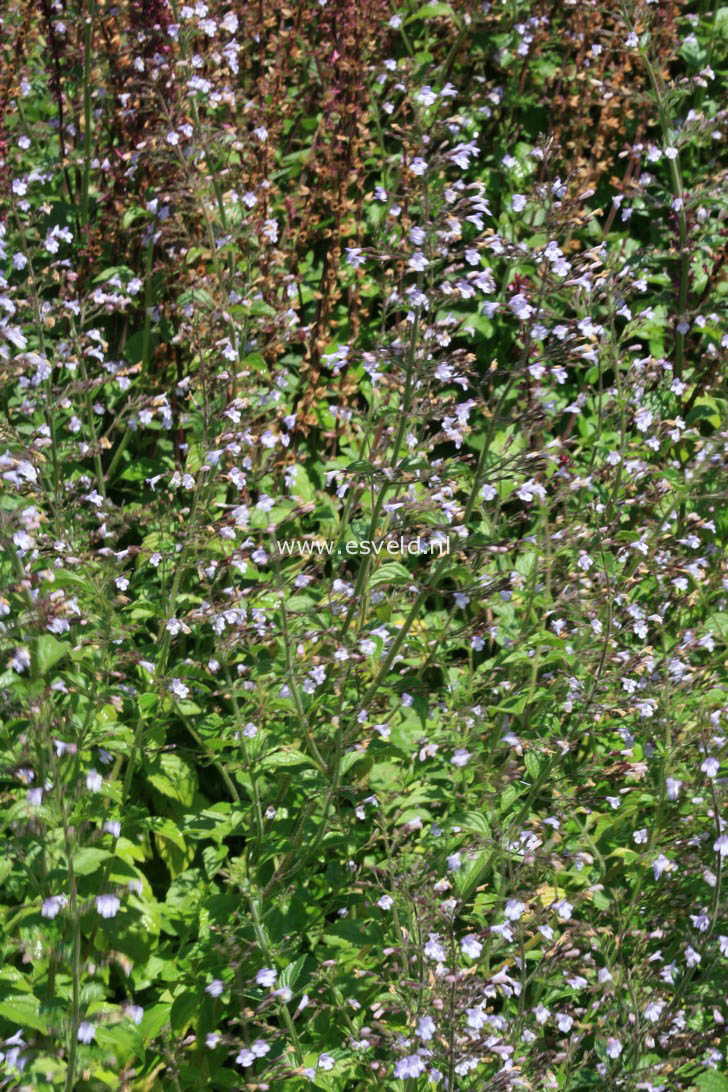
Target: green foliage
column 363, row 547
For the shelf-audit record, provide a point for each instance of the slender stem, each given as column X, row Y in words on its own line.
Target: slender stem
column 265, row 947
column 659, row 91
column 129, row 772
column 376, row 511
column 76, row 928
column 496, row 413
column 246, row 757
column 92, row 428
column 229, row 783
column 148, row 297
column 75, row 967
column 163, row 637
column 395, row 647
column 293, row 685
column 121, row 448
column 47, row 390
column 88, row 38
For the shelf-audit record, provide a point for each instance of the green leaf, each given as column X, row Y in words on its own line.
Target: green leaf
column 183, row 1010
column 23, row 1011
column 480, row 324
column 147, row 703
column 289, row 757
column 113, row 270
column 710, row 1081
column 473, row 874
column 174, row 778
column 302, row 486
column 105, row 1076
column 88, row 859
column 290, row 975
column 391, row 573
column 514, row 704
column 351, row 935
column 431, row 11
column 154, row 1020
column 693, row 53
column 171, row 846
column 212, row 859
column 718, row 623
column 533, row 766
column 122, row 1040
column 473, row 822
column 600, row 900
column 131, row 215
column 49, row 650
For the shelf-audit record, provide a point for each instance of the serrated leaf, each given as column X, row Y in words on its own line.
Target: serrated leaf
column 431, row 11
column 473, row 822
column 533, row 766
column 473, row 874
column 289, row 757
column 154, row 1020
column 131, row 215
column 712, row 1082
column 391, row 573
column 49, row 651
column 174, row 778
column 290, row 975
column 24, row 1011
column 718, row 623
column 122, row 1040
column 89, row 859
column 113, row 271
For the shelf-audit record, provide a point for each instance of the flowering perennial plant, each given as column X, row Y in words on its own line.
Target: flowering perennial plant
column 335, row 272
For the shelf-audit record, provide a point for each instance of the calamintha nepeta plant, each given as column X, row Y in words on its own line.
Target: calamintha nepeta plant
column 334, row 271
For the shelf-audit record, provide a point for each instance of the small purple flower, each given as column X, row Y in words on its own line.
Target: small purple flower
column 614, row 1048
column 86, row 1032
column 514, row 909
column 52, row 907
column 411, row 1066
column 461, row 757
column 720, row 845
column 660, row 865
column 107, row 905
column 94, row 781
column 266, row 977
column 471, row 946
column 426, row 1028
column 710, row 766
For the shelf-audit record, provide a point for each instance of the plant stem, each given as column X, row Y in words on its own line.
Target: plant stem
column 88, row 38
column 659, row 91
column 76, row 929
